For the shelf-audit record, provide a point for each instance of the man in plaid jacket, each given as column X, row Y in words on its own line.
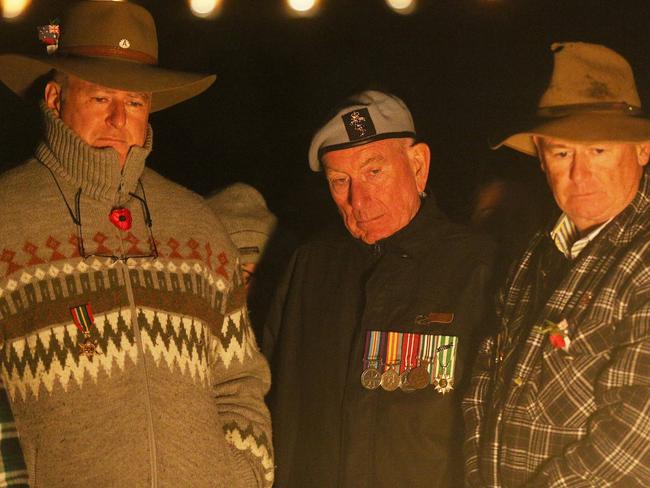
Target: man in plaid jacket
column 561, row 397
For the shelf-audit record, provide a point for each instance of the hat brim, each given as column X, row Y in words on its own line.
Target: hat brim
column 586, row 127
column 167, row 87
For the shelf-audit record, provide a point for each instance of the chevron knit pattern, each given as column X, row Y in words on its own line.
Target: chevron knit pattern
column 256, row 444
column 169, row 365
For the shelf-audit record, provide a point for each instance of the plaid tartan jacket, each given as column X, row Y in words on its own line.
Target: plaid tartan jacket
column 546, row 417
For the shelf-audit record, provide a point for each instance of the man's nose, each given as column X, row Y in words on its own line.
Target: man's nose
column 359, row 195
column 580, row 167
column 117, row 115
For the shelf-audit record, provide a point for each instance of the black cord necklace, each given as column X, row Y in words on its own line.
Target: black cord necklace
column 76, row 219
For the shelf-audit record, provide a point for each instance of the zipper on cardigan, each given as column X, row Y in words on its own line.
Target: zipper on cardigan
column 153, row 462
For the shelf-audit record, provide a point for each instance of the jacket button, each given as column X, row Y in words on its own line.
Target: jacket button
column 518, row 381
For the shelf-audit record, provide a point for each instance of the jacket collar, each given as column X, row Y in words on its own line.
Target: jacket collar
column 417, row 236
column 634, row 218
column 96, row 171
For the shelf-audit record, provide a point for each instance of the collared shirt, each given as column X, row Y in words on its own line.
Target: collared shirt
column 580, row 416
column 566, row 236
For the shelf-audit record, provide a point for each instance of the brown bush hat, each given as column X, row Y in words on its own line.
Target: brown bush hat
column 109, row 43
column 592, row 97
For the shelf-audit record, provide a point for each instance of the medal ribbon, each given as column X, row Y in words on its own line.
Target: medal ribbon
column 427, row 347
column 83, row 318
column 446, row 356
column 382, row 350
column 371, row 352
column 412, row 351
column 407, row 343
column 393, row 349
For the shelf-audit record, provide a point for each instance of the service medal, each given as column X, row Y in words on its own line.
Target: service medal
column 392, row 354
column 371, row 378
column 410, row 349
column 404, row 382
column 88, row 348
column 390, row 379
column 444, row 385
column 445, row 363
column 84, row 320
column 418, row 377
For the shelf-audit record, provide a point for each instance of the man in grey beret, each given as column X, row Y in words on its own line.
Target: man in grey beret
column 372, row 329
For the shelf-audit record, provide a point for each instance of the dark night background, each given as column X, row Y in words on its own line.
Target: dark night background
column 466, row 68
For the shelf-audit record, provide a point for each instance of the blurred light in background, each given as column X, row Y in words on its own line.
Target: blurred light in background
column 205, row 8
column 302, row 8
column 403, row 7
column 13, row 8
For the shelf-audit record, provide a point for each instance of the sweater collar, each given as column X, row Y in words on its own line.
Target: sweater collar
column 96, row 171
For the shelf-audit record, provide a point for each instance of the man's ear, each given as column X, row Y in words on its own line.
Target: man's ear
column 53, row 97
column 420, row 157
column 643, row 153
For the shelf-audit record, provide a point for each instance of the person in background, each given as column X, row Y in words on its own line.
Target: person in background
column 561, row 396
column 251, row 225
column 510, row 211
column 126, row 355
column 247, row 220
column 372, row 332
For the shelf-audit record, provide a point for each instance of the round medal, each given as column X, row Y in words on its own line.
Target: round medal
column 442, row 383
column 418, row 377
column 370, row 378
column 390, row 380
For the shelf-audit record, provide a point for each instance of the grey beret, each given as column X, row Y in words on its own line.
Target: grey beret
column 366, row 117
column 247, row 219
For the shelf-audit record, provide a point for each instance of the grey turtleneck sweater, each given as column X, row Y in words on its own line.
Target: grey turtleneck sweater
column 173, row 395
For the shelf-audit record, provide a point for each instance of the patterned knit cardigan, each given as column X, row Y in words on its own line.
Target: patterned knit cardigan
column 578, row 417
column 173, row 395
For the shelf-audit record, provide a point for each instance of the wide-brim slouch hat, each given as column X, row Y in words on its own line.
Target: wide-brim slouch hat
column 366, row 117
column 109, row 43
column 591, row 97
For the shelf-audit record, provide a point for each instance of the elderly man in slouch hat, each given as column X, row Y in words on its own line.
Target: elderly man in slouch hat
column 561, row 397
column 126, row 354
column 372, row 330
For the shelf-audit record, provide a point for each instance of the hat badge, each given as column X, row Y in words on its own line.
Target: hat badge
column 124, row 44
column 358, row 124
column 49, row 35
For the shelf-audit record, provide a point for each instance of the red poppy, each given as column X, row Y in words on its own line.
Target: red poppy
column 121, row 218
column 557, row 340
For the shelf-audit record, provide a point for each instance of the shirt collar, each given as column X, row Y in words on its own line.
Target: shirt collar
column 567, row 238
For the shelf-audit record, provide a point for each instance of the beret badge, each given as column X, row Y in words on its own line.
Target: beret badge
column 358, row 124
